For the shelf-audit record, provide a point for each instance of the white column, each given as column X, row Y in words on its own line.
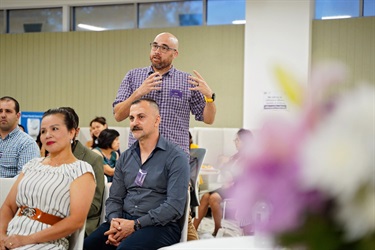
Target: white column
column 277, row 32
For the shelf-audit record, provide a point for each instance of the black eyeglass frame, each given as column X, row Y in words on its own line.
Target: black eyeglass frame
column 163, row 48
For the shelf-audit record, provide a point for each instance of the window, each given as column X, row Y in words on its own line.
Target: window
column 221, row 12
column 158, row 14
column 2, row 21
column 138, row 14
column 369, row 8
column 35, row 20
column 109, row 17
column 334, row 9
column 170, row 14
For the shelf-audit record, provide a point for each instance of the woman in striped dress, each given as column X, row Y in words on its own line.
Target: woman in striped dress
column 52, row 196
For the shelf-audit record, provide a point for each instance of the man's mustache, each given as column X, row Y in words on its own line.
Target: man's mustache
column 136, row 128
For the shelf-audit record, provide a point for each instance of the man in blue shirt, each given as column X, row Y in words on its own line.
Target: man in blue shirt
column 16, row 147
column 148, row 194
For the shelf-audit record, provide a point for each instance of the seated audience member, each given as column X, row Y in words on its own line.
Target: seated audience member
column 97, row 125
column 229, row 171
column 107, row 147
column 192, row 145
column 149, row 189
column 16, row 147
column 43, row 151
column 21, row 127
column 85, row 154
column 59, row 187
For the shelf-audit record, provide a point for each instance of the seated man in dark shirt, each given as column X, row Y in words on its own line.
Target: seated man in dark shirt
column 148, row 193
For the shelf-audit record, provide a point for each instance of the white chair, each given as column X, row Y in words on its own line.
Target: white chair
column 197, row 156
column 185, row 219
column 105, row 196
column 5, row 186
column 233, row 225
column 77, row 238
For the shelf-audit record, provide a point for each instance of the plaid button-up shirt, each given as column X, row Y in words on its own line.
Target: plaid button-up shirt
column 175, row 101
column 16, row 149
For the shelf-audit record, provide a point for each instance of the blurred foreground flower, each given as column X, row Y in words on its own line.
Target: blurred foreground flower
column 316, row 172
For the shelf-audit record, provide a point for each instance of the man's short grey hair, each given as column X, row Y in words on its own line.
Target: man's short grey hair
column 149, row 100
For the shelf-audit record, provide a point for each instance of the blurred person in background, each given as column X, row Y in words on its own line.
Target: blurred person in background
column 97, row 124
column 21, row 127
column 228, row 173
column 107, row 147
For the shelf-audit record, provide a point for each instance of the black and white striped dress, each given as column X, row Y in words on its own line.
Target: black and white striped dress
column 46, row 188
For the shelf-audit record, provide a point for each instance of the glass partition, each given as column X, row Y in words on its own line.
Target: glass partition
column 2, row 22
column 369, row 8
column 35, row 20
column 108, row 17
column 333, row 9
column 221, row 12
column 170, row 14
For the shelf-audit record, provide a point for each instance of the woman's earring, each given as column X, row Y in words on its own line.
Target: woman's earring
column 71, row 141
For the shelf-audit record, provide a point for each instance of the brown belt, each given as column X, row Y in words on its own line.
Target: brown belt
column 37, row 214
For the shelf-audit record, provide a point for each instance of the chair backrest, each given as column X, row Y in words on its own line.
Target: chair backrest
column 197, row 156
column 185, row 217
column 5, row 186
column 77, row 238
column 105, row 196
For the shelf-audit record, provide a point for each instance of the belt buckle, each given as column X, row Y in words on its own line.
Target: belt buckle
column 29, row 212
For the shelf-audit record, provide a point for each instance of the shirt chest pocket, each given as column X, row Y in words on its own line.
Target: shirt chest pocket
column 177, row 99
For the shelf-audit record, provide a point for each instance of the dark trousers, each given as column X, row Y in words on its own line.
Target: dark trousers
column 146, row 238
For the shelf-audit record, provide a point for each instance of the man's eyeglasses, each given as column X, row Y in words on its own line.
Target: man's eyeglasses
column 163, row 48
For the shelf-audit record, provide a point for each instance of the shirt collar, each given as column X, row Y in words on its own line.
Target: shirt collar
column 170, row 71
column 11, row 134
column 161, row 144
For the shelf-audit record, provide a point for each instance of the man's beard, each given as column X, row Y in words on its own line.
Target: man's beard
column 161, row 65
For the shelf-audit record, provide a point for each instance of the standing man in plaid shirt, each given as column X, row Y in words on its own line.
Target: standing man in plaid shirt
column 177, row 93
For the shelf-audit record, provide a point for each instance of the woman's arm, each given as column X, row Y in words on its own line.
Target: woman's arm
column 107, row 169
column 9, row 208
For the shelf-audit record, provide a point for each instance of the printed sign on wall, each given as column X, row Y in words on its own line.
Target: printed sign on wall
column 273, row 100
column 31, row 122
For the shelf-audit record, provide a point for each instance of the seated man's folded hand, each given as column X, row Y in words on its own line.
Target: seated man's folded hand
column 115, row 227
column 119, row 230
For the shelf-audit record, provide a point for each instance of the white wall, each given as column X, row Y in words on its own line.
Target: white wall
column 276, row 32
